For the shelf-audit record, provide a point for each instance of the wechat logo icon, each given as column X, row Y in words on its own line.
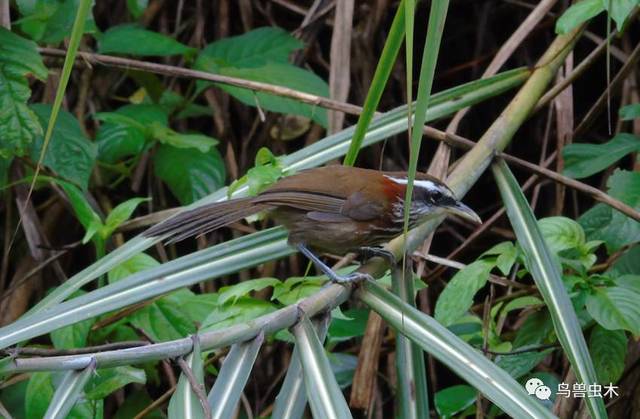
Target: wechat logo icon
column 536, row 387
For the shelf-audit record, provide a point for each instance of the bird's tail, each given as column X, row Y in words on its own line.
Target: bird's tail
column 205, row 219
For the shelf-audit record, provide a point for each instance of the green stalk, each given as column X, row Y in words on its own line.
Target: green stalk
column 74, row 42
column 380, row 78
column 413, row 393
column 435, row 29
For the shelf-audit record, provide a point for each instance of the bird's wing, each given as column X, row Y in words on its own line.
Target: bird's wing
column 359, row 207
column 330, row 191
column 306, row 201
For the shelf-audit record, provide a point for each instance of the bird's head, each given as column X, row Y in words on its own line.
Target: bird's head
column 432, row 197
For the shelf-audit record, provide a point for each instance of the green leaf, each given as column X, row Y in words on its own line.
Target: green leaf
column 520, row 364
column 120, row 214
column 454, row 399
column 166, row 135
column 70, row 154
column 620, row 10
column 608, row 349
column 134, row 40
column 295, row 288
column 50, row 21
column 628, row 263
column 343, row 366
column 189, row 174
column 243, row 310
column 507, row 254
column 166, row 318
column 284, row 75
column 94, row 227
column 266, row 171
column 515, row 304
column 136, row 115
column 535, row 330
column 578, row 13
column 84, row 212
column 39, row 394
column 583, row 160
column 243, row 289
column 630, row 112
column 604, row 223
column 345, row 329
column 73, row 336
column 262, row 55
column 107, row 380
column 617, row 307
column 125, row 130
column 12, row 398
column 252, row 49
column 137, row 7
column 19, row 126
column 174, row 102
column 457, row 297
column 116, row 141
column 561, row 233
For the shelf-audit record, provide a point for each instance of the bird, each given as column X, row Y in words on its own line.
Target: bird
column 335, row 209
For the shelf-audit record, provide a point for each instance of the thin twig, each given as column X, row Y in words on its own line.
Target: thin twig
column 457, row 265
column 74, row 351
column 156, row 403
column 597, row 107
column 522, row 351
column 573, row 75
column 173, row 71
column 197, row 388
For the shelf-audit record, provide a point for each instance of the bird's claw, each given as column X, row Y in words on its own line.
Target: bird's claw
column 369, row 252
column 353, row 277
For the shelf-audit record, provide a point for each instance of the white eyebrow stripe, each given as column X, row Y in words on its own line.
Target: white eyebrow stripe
column 427, row 184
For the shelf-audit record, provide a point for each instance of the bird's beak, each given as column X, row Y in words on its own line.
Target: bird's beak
column 464, row 211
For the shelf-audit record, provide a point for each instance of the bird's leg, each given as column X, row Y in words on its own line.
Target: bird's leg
column 333, row 276
column 370, row 252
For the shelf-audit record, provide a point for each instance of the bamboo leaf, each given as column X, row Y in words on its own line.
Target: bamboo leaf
column 413, row 395
column 383, row 70
column 437, row 17
column 225, row 394
column 292, row 399
column 325, row 396
column 68, row 392
column 547, row 275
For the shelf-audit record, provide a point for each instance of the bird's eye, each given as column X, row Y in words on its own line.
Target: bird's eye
column 436, row 196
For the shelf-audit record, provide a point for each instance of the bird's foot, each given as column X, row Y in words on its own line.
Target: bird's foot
column 353, row 277
column 370, row 252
